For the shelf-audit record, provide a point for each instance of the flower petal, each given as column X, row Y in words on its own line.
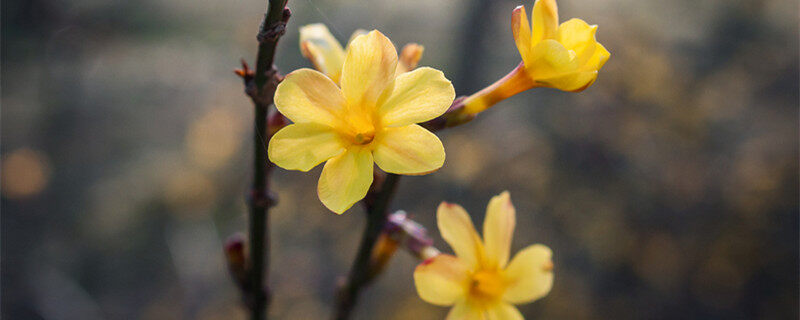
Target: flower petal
column 307, row 96
column 459, row 232
column 368, row 69
column 302, row 146
column 409, row 57
column 416, row 96
column 550, row 59
column 464, row 310
column 521, row 29
column 498, row 230
column 318, row 45
column 578, row 36
column 355, row 35
column 574, row 81
column 504, row 311
column 408, row 150
column 599, row 58
column 529, row 275
column 545, row 20
column 345, row 179
column 442, row 280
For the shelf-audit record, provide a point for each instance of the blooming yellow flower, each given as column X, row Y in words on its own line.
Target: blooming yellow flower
column 479, row 282
column 371, row 119
column 566, row 57
column 318, row 45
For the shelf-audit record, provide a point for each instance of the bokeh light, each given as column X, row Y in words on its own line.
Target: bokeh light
column 25, row 173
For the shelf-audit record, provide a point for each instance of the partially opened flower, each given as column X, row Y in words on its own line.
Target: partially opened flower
column 479, row 281
column 371, row 119
column 318, row 45
column 566, row 57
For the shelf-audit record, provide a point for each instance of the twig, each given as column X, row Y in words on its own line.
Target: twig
column 361, row 273
column 260, row 86
column 260, row 201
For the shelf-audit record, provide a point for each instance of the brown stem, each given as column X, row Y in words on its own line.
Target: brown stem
column 361, row 273
column 260, row 201
column 261, row 89
column 272, row 28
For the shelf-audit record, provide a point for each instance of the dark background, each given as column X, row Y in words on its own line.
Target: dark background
column 667, row 190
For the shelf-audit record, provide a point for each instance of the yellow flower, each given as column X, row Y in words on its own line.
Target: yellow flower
column 566, row 57
column 318, row 45
column 480, row 282
column 371, row 119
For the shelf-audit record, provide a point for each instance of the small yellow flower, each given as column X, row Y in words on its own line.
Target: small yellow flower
column 566, row 56
column 318, row 45
column 479, row 282
column 371, row 119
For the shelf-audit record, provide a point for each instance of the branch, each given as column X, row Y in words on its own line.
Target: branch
column 272, row 28
column 260, row 85
column 362, row 273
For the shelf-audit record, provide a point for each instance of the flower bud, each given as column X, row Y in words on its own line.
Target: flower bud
column 237, row 258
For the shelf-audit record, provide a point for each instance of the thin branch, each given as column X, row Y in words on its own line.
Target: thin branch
column 272, row 28
column 361, row 273
column 260, row 201
column 260, row 86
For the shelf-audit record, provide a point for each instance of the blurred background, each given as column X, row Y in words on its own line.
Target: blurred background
column 667, row 190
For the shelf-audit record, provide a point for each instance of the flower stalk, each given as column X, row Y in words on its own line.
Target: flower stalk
column 464, row 109
column 513, row 83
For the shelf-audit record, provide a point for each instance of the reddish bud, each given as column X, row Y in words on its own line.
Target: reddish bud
column 237, row 258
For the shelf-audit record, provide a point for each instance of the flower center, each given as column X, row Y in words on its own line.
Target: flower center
column 364, row 137
column 487, row 285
